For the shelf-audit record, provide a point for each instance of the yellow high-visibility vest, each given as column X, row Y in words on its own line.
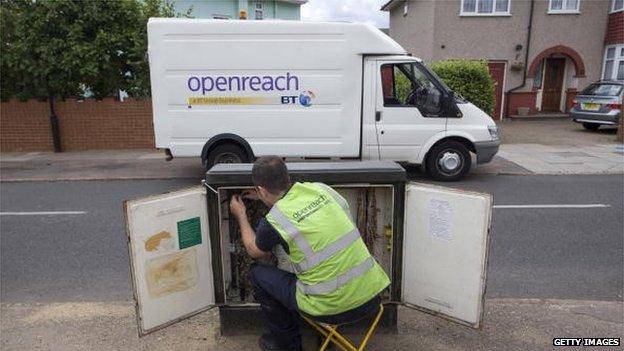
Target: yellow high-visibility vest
column 335, row 271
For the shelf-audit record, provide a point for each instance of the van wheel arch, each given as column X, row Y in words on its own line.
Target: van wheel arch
column 467, row 143
column 224, row 140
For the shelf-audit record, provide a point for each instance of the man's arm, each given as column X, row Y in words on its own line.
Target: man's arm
column 237, row 208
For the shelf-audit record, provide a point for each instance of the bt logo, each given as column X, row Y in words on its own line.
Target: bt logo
column 305, row 99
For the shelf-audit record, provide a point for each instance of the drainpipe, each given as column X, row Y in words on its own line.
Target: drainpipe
column 526, row 60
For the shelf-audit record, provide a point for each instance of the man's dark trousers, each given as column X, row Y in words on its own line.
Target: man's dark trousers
column 275, row 291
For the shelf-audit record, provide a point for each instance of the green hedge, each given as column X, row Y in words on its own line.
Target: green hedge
column 471, row 79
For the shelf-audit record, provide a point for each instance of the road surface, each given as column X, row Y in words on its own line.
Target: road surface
column 65, row 241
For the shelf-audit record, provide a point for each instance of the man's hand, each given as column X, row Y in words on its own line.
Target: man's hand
column 237, row 207
column 238, row 210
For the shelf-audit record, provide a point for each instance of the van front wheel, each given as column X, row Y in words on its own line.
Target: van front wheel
column 448, row 161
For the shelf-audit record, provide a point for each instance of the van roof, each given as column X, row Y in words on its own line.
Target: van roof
column 362, row 38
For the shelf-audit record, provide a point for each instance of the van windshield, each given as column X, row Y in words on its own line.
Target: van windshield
column 604, row 89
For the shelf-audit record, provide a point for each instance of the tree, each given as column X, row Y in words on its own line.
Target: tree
column 57, row 49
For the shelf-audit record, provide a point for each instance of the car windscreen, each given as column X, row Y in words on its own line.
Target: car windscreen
column 604, row 89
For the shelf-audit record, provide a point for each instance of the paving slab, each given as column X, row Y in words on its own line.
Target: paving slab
column 565, row 159
column 509, row 324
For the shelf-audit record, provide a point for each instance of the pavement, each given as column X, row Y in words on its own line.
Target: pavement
column 566, row 159
column 510, row 324
column 96, row 164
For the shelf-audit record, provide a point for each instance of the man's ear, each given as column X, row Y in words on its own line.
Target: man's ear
column 263, row 192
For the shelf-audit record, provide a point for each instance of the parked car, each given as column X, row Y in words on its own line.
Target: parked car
column 598, row 104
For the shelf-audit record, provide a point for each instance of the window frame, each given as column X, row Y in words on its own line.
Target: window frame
column 617, row 58
column 463, row 13
column 394, row 92
column 613, row 9
column 444, row 92
column 563, row 10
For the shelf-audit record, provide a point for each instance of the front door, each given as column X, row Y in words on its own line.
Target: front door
column 445, row 249
column 553, row 84
column 409, row 110
column 170, row 257
column 497, row 72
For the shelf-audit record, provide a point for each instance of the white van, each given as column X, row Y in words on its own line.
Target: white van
column 231, row 91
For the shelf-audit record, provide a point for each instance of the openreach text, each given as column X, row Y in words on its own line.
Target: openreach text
column 242, row 83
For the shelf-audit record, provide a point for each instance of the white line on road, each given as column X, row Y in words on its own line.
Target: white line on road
column 555, row 206
column 42, row 213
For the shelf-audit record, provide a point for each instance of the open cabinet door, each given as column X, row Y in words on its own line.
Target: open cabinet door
column 445, row 249
column 170, row 257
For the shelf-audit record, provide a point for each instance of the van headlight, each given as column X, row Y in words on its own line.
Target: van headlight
column 493, row 132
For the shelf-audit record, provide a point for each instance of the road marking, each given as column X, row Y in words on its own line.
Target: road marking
column 42, row 213
column 555, row 206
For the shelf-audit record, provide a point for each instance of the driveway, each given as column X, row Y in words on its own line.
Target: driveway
column 554, row 131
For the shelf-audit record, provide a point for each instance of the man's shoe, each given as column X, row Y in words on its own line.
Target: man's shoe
column 268, row 343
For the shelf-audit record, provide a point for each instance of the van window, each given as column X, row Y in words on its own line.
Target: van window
column 406, row 85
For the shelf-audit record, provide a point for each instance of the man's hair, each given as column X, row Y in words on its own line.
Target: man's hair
column 270, row 172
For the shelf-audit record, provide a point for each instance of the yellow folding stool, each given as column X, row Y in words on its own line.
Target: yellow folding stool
column 330, row 332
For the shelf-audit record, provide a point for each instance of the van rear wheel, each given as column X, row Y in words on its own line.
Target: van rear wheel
column 225, row 153
column 448, row 161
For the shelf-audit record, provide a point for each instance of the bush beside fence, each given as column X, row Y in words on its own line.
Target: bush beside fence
column 471, row 79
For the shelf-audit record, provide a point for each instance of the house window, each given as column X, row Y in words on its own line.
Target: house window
column 539, row 72
column 484, row 8
column 259, row 11
column 613, row 66
column 617, row 6
column 563, row 6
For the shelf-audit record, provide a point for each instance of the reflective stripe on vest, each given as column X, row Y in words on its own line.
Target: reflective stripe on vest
column 311, row 258
column 329, row 286
column 293, row 232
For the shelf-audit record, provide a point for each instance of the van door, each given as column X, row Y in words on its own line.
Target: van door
column 445, row 251
column 409, row 109
column 170, row 257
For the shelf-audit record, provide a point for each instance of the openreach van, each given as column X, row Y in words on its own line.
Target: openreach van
column 231, row 91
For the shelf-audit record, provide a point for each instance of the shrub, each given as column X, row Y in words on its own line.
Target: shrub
column 470, row 79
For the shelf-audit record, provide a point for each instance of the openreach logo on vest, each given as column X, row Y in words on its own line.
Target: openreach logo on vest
column 316, row 204
column 248, row 90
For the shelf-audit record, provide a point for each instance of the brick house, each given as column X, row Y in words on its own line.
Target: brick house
column 540, row 52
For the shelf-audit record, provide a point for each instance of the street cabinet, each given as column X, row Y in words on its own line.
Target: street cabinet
column 432, row 241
